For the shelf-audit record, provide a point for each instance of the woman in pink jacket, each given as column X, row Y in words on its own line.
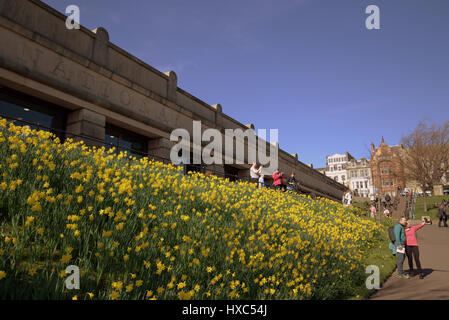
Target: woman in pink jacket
column 411, row 248
column 277, row 179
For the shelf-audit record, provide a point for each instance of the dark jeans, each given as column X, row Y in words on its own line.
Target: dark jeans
column 413, row 252
column 400, row 263
column 443, row 219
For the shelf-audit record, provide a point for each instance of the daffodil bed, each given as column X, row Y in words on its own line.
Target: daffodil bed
column 139, row 229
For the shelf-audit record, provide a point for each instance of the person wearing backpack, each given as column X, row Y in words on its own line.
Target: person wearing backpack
column 399, row 243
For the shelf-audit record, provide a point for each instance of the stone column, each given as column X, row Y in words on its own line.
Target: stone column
column 218, row 116
column 101, row 46
column 86, row 125
column 172, row 86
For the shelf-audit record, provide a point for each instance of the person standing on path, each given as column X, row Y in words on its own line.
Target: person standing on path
column 442, row 215
column 412, row 249
column 399, row 242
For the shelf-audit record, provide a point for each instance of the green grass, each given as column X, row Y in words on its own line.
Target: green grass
column 381, row 257
column 432, row 212
column 363, row 205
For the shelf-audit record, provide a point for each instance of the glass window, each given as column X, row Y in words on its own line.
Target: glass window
column 231, row 173
column 33, row 112
column 124, row 140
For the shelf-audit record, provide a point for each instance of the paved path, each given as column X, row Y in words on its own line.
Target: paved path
column 434, row 255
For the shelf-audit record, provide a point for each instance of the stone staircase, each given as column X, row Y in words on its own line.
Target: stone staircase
column 400, row 210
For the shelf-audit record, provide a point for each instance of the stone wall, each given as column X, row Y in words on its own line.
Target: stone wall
column 82, row 71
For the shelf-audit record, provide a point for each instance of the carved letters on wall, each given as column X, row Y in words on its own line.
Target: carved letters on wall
column 40, row 60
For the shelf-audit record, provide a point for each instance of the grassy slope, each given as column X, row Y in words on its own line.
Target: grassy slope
column 431, row 211
column 155, row 214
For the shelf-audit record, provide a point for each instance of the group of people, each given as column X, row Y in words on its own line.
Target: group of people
column 279, row 179
column 385, row 200
column 373, row 211
column 404, row 243
column 442, row 214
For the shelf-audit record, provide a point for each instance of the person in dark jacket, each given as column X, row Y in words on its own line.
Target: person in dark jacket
column 283, row 182
column 291, row 182
column 442, row 215
column 387, row 200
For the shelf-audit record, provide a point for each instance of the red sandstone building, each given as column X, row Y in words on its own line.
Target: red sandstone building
column 386, row 168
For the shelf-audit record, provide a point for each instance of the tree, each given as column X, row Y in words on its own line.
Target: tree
column 426, row 156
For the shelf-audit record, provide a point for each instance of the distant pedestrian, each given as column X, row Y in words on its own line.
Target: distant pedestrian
column 412, row 249
column 283, row 182
column 387, row 213
column 277, row 180
column 254, row 173
column 291, row 182
column 383, row 201
column 388, row 200
column 442, row 215
column 399, row 243
column 373, row 211
column 347, row 198
column 261, row 181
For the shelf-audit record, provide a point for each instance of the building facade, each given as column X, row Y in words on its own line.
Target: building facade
column 360, row 178
column 336, row 167
column 77, row 84
column 386, row 168
column 354, row 174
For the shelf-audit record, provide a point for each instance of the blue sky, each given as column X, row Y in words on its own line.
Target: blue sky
column 309, row 68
